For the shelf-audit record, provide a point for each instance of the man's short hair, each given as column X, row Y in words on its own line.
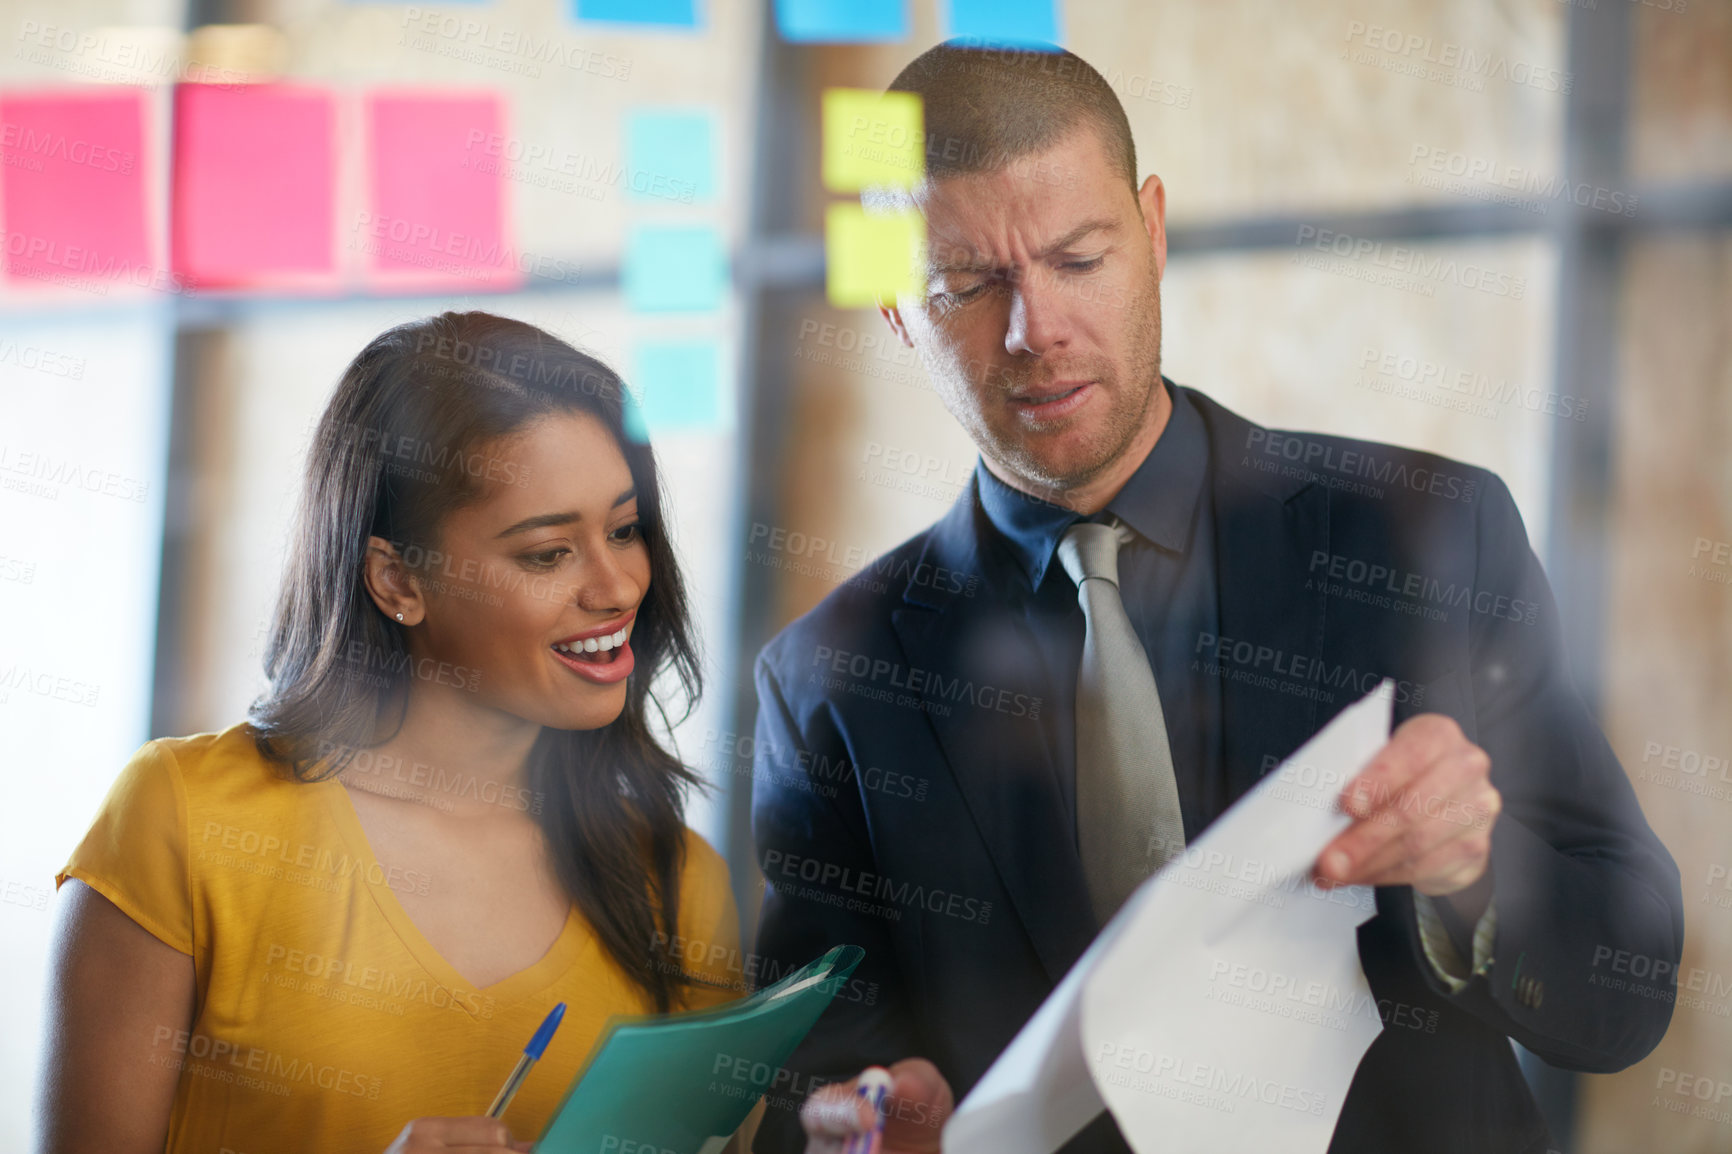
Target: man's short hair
column 986, row 106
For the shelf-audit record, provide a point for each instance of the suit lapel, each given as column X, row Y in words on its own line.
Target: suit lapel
column 987, row 695
column 1267, row 526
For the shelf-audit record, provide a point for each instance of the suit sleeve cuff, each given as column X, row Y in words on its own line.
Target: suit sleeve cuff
column 1440, row 950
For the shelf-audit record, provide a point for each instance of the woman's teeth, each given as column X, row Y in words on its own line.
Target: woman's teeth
column 595, row 644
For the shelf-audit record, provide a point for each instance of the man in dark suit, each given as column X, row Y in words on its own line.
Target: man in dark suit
column 952, row 772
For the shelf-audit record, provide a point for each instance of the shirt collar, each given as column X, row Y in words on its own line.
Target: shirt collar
column 1159, row 501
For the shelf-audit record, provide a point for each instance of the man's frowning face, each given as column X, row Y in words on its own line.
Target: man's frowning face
column 1041, row 326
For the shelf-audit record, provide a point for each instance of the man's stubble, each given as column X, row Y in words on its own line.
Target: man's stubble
column 1131, row 403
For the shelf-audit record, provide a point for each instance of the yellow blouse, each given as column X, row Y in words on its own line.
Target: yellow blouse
column 324, row 1020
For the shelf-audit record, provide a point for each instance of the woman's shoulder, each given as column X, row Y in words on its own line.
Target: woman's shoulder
column 170, row 801
column 705, row 874
column 202, row 758
column 213, row 772
column 709, row 942
column 193, row 749
column 700, row 854
column 706, row 890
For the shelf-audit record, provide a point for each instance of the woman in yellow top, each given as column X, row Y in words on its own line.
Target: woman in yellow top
column 334, row 928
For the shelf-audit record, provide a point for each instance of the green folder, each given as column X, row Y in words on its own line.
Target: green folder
column 683, row 1083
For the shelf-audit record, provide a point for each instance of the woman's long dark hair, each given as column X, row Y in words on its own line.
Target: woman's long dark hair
column 395, row 452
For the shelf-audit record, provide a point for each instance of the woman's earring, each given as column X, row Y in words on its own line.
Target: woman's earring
column 399, row 617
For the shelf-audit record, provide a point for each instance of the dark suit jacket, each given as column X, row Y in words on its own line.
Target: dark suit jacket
column 904, row 802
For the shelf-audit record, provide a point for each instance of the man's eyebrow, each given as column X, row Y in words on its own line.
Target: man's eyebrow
column 964, row 263
column 1070, row 238
column 975, row 264
column 544, row 520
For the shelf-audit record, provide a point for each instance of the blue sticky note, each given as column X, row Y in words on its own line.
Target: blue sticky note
column 667, row 13
column 670, row 155
column 1023, row 23
column 842, row 21
column 680, row 387
column 674, row 269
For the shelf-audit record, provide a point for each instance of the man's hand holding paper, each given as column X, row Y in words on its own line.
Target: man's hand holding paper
column 1424, row 811
column 1223, row 1004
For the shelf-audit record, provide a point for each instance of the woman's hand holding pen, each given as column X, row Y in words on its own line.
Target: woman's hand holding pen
column 913, row 1113
column 456, row 1136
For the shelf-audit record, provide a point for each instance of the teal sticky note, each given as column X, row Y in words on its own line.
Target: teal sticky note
column 679, row 386
column 842, row 21
column 674, row 268
column 665, row 13
column 1021, row 23
column 670, row 154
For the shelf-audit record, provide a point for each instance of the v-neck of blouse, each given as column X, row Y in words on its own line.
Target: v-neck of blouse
column 561, row 956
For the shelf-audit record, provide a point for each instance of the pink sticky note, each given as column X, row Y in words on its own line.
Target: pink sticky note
column 436, row 177
column 254, row 185
column 72, row 167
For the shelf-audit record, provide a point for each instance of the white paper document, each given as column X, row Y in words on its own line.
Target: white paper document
column 1223, row 1008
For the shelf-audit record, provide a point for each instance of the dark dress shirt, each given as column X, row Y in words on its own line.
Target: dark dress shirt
column 1167, row 580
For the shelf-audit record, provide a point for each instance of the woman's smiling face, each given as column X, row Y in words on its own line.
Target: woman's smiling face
column 531, row 602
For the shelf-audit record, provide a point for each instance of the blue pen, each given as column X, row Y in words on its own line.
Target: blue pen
column 874, row 1086
column 531, row 1055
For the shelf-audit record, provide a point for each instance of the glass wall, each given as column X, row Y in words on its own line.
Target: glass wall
column 1496, row 230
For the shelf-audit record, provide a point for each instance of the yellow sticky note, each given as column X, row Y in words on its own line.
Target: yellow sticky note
column 871, row 256
column 873, row 138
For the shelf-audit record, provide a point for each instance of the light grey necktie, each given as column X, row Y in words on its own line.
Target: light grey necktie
column 1127, row 799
